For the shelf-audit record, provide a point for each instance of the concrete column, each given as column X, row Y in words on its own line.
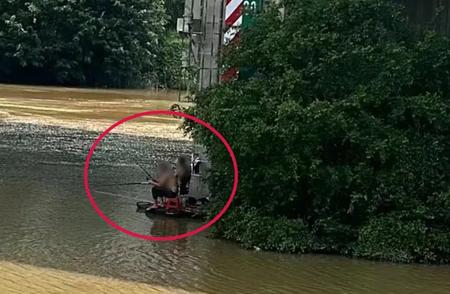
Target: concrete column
column 204, row 22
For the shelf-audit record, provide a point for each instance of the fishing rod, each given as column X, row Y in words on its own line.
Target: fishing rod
column 121, row 196
column 145, row 171
column 150, row 178
column 124, row 184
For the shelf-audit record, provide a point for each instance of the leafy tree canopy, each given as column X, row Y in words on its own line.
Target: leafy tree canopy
column 112, row 43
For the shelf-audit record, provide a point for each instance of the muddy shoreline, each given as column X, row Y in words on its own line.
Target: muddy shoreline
column 91, row 110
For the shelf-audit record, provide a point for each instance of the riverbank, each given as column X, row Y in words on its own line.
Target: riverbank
column 90, row 110
column 58, row 92
column 20, row 278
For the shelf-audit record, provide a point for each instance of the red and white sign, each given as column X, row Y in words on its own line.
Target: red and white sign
column 234, row 11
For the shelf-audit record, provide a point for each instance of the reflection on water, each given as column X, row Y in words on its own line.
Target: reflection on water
column 47, row 221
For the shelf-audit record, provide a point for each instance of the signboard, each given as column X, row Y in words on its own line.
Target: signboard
column 239, row 14
column 251, row 9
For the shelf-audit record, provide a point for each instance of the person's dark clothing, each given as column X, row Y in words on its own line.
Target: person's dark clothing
column 184, row 184
column 159, row 192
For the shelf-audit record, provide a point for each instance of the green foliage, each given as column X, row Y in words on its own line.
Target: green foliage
column 106, row 43
column 254, row 230
column 170, row 74
column 342, row 125
column 390, row 238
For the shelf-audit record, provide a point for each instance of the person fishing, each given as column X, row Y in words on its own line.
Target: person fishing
column 183, row 174
column 165, row 185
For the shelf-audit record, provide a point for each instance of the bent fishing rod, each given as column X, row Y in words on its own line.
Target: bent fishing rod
column 149, row 180
column 121, row 196
column 149, row 176
column 144, row 170
column 124, row 184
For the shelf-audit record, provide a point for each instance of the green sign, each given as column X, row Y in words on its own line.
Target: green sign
column 251, row 9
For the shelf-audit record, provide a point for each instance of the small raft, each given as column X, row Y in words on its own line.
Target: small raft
column 186, row 212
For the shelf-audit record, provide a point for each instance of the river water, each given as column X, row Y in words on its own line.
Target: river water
column 52, row 241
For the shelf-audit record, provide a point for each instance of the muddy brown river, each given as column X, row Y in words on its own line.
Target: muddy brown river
column 52, row 241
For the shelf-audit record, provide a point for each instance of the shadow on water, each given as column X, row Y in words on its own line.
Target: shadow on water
column 47, row 221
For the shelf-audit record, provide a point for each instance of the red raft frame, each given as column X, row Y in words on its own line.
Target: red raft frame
column 172, row 207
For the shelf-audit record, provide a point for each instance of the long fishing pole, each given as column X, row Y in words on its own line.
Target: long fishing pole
column 123, row 184
column 149, row 176
column 144, row 170
column 121, row 196
column 135, row 183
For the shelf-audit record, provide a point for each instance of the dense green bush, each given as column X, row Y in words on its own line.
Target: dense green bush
column 255, row 230
column 342, row 124
column 392, row 238
column 84, row 42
